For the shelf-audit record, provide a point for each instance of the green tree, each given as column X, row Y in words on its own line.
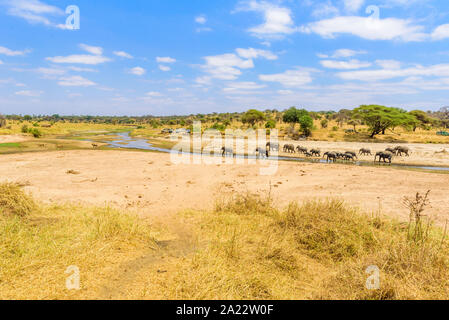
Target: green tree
column 423, row 119
column 302, row 117
column 253, row 116
column 271, row 124
column 380, row 118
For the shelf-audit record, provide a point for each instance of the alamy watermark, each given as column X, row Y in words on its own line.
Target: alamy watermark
column 211, row 147
column 73, row 21
column 73, row 281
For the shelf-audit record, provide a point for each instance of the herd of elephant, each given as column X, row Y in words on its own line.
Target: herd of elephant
column 331, row 156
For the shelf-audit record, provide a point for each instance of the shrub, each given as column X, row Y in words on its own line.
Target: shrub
column 13, row 201
column 24, row 128
column 35, row 132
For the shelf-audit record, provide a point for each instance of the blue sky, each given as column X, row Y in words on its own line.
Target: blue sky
column 182, row 57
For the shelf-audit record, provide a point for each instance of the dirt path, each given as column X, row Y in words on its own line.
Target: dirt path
column 151, row 184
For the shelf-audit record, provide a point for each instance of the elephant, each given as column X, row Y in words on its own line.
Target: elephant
column 393, row 151
column 349, row 156
column 365, row 152
column 301, row 150
column 353, row 154
column 402, row 150
column 261, row 152
column 273, row 146
column 289, row 148
column 226, row 152
column 384, row 155
column 332, row 156
column 316, row 152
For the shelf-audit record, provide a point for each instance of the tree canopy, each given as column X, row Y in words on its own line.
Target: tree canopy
column 300, row 116
column 253, row 116
column 380, row 118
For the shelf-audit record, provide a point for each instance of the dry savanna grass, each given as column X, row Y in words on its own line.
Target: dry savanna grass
column 243, row 249
column 38, row 243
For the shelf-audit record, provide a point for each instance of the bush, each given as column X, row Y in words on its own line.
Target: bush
column 24, row 128
column 13, row 201
column 35, row 132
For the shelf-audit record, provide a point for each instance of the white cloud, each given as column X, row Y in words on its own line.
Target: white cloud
column 164, row 68
column 123, row 54
column 154, row 94
column 9, row 52
column 353, row 5
column 325, row 10
column 27, row 93
column 289, row 78
column 440, row 70
column 367, row 28
column 34, row 12
column 285, row 92
column 79, row 59
column 200, row 19
column 1, row 62
column 242, row 86
column 50, row 73
column 278, row 21
column 346, row 53
column 252, row 53
column 351, row 64
column 75, row 81
column 226, row 66
column 98, row 51
column 441, row 32
column 165, row 60
column 389, row 64
column 138, row 71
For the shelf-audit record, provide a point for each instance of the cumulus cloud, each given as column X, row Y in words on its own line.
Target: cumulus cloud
column 164, row 68
column 9, row 52
column 123, row 54
column 353, row 5
column 278, row 21
column 242, row 87
column 28, row 93
column 35, row 12
column 252, row 53
column 351, row 64
column 165, row 60
column 441, row 32
column 225, row 66
column 200, row 19
column 393, row 70
column 75, row 81
column 79, row 59
column 138, row 71
column 98, row 51
column 367, row 28
column 289, row 78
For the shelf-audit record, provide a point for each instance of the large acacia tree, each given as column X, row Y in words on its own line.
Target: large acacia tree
column 380, row 118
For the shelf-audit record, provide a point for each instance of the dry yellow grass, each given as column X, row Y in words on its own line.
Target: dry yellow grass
column 36, row 249
column 244, row 249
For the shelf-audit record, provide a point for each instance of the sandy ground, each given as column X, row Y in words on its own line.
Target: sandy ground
column 12, row 138
column 151, row 184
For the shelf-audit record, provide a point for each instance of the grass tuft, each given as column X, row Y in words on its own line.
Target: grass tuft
column 13, row 201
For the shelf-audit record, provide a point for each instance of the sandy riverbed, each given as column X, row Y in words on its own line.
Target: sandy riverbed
column 153, row 185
